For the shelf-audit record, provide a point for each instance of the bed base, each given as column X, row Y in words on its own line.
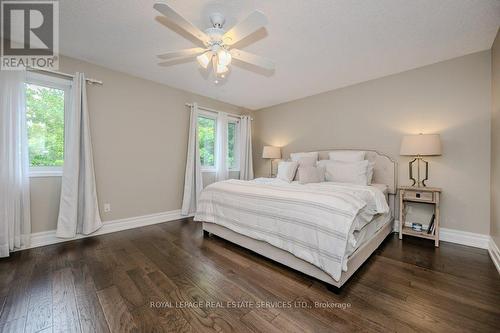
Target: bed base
column 333, row 289
column 283, row 257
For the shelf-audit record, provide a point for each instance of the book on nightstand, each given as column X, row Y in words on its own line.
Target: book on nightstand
column 430, row 229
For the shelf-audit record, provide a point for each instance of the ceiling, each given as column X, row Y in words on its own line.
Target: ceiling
column 317, row 45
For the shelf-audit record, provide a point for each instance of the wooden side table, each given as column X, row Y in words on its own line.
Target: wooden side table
column 428, row 195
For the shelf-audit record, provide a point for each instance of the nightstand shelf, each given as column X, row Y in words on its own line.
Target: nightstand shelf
column 423, row 234
column 426, row 195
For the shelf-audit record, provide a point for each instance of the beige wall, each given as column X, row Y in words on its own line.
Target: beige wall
column 139, row 135
column 451, row 98
column 139, row 131
column 495, row 141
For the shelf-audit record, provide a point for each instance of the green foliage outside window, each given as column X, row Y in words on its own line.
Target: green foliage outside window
column 45, row 122
column 206, row 141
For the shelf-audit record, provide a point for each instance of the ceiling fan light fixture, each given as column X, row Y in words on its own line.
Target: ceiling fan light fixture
column 217, row 41
column 204, row 59
column 223, row 57
column 221, row 69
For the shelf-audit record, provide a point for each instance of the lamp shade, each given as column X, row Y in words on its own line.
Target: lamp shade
column 204, row 59
column 271, row 152
column 421, row 144
column 223, row 57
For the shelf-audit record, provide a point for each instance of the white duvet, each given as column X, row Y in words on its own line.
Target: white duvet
column 314, row 222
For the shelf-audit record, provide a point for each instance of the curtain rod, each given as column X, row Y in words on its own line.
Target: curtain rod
column 216, row 111
column 38, row 69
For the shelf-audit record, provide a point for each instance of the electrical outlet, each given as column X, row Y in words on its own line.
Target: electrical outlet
column 107, row 207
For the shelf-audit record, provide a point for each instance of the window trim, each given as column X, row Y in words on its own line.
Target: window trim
column 48, row 81
column 46, row 171
column 54, row 83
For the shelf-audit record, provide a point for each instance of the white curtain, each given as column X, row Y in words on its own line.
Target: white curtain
column 221, row 166
column 15, row 224
column 193, row 183
column 78, row 209
column 246, row 165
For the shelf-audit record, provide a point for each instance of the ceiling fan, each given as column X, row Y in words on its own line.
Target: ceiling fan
column 217, row 41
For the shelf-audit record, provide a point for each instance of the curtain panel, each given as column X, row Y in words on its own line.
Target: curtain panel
column 222, row 172
column 246, row 164
column 78, row 208
column 15, row 219
column 193, row 183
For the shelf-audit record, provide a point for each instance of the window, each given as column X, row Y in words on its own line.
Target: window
column 207, row 142
column 46, row 101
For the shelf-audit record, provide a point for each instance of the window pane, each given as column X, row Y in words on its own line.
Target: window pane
column 206, row 139
column 231, row 145
column 45, row 122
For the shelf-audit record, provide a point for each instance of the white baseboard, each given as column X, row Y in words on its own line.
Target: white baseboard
column 464, row 238
column 448, row 235
column 49, row 237
column 494, row 254
column 458, row 237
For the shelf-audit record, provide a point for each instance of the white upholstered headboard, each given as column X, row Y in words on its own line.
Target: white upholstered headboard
column 385, row 171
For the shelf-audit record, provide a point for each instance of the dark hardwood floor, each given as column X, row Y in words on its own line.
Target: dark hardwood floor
column 167, row 277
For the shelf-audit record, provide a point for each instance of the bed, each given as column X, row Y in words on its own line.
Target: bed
column 325, row 230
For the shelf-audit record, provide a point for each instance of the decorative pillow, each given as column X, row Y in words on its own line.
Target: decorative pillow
column 308, row 174
column 346, row 172
column 347, row 155
column 306, row 161
column 296, row 156
column 287, row 170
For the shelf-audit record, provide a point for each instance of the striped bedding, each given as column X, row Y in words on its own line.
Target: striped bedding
column 314, row 222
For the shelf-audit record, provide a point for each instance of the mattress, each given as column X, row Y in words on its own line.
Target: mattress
column 366, row 226
column 360, row 237
column 384, row 188
column 364, row 217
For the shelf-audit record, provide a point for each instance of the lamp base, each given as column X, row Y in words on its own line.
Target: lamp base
column 419, row 182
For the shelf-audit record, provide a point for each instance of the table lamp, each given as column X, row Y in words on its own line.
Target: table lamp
column 271, row 153
column 420, row 145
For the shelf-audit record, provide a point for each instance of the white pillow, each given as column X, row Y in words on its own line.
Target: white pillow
column 286, row 170
column 310, row 174
column 346, row 172
column 347, row 155
column 371, row 167
column 307, row 161
column 296, row 156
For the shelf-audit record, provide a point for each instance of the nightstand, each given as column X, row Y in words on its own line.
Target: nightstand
column 427, row 195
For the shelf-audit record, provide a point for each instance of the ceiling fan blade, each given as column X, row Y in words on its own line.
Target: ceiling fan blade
column 182, row 53
column 253, row 59
column 176, row 61
column 252, row 23
column 176, row 18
